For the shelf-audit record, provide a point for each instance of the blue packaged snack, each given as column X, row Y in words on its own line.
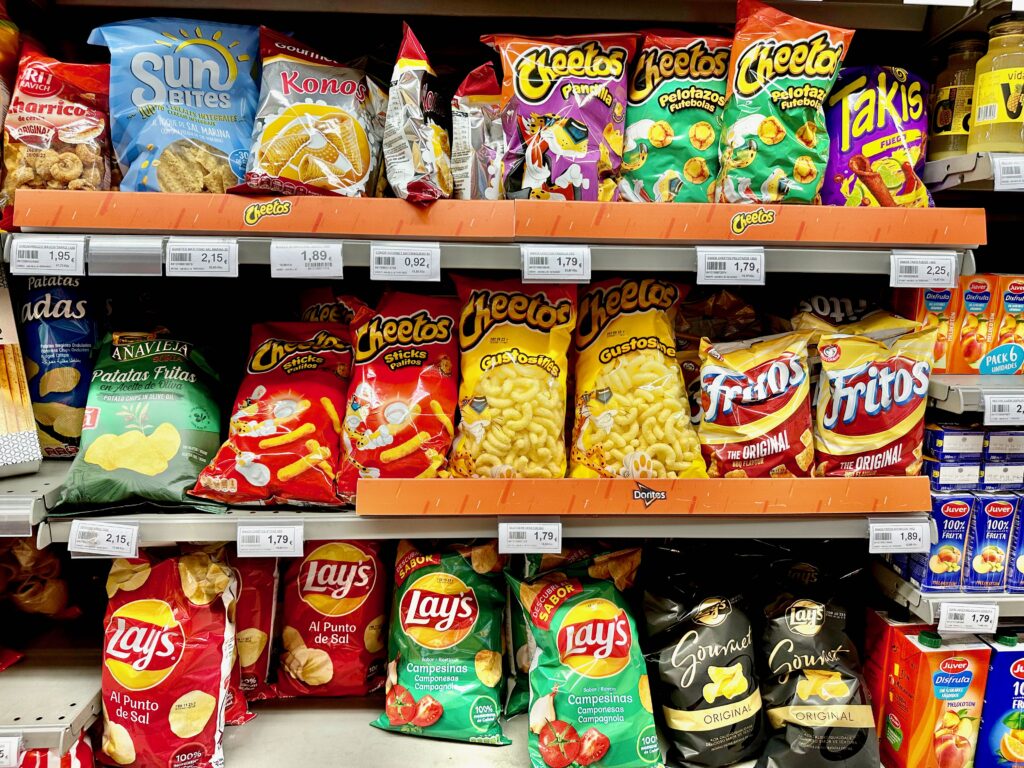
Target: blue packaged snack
column 182, row 102
column 942, row 568
column 949, row 476
column 953, row 441
column 988, row 542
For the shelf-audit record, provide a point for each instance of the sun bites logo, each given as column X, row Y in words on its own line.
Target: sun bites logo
column 335, row 579
column 143, row 644
column 694, row 62
column 256, row 212
column 890, row 390
column 438, row 610
column 539, row 70
column 766, row 61
column 805, row 617
column 956, row 509
column 594, row 638
column 774, row 384
column 741, row 222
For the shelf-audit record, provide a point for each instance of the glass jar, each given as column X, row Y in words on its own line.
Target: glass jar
column 951, row 99
column 998, row 121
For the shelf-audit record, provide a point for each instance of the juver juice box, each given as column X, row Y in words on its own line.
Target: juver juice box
column 942, row 568
column 938, row 307
column 975, row 329
column 988, row 542
column 1007, row 353
column 1001, row 741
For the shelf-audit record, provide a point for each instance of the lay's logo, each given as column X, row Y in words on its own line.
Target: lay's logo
column 954, row 665
column 595, row 639
column 335, row 579
column 956, row 509
column 766, row 61
column 256, row 212
column 999, row 509
column 805, row 617
column 539, row 70
column 143, row 643
column 438, row 611
column 1017, row 669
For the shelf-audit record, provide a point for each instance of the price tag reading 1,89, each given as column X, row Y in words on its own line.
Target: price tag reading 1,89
column 48, row 255
column 1004, row 409
column 215, row 257
column 305, row 258
column 270, row 540
column 405, row 261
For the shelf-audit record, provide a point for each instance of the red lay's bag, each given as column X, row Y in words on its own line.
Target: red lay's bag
column 283, row 443
column 334, row 624
column 254, row 624
column 168, row 650
column 401, row 403
column 322, row 305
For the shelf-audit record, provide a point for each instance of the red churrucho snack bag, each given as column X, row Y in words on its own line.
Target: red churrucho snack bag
column 168, row 650
column 322, row 305
column 283, row 442
column 333, row 641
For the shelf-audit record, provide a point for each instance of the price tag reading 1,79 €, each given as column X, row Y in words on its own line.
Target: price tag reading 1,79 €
column 968, row 617
column 10, row 751
column 213, row 257
column 529, row 538
column 270, row 540
column 922, row 269
column 730, row 265
column 555, row 263
column 305, row 258
column 48, row 255
column 405, row 261
column 1004, row 409
column 899, row 537
column 94, row 537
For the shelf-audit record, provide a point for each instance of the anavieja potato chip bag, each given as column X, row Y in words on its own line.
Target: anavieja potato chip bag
column 283, row 441
column 334, row 621
column 168, row 650
column 514, row 341
column 399, row 417
column 478, row 140
column 319, row 125
column 564, row 113
column 321, row 304
column 676, row 97
column 774, row 146
column 632, row 412
column 755, row 398
column 182, row 101
column 151, row 422
column 445, row 678
column 872, row 396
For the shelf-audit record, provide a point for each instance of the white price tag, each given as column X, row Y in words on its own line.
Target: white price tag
column 10, row 751
column 1004, row 474
column 529, row 538
column 959, row 474
column 556, row 263
column 214, row 257
column 1008, row 170
column 305, row 258
column 48, row 255
column 730, row 265
column 92, row 537
column 900, row 537
column 405, row 261
column 270, row 540
column 968, row 617
column 953, row 3
column 922, row 269
column 1004, row 409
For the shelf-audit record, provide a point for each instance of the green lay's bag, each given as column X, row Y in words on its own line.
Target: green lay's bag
column 445, row 673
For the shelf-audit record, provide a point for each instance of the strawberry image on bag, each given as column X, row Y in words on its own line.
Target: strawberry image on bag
column 445, row 677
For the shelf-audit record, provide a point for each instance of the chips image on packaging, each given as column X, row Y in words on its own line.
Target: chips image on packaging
column 514, row 346
column 174, row 132
column 674, row 117
column 564, row 114
column 445, row 678
column 478, row 139
column 774, row 146
column 284, row 440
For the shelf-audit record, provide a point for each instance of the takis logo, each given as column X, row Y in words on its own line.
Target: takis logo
column 713, row 611
column 594, row 638
column 143, row 644
column 438, row 611
column 741, row 222
column 382, row 332
column 1017, row 669
column 954, row 666
column 766, row 61
column 335, row 579
column 255, row 213
column 648, row 495
column 805, row 617
column 956, row 509
column 539, row 70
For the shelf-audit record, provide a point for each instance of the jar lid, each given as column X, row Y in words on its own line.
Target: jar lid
column 1008, row 20
column 1007, row 638
column 930, row 639
column 967, row 43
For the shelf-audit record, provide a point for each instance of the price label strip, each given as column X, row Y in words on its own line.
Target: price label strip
column 191, row 256
column 1008, row 170
column 922, row 269
column 968, row 617
column 306, row 258
column 48, row 255
column 270, row 540
column 529, row 538
column 405, row 261
column 732, row 265
column 555, row 263
column 10, row 751
column 1004, row 409
column 948, row 3
column 899, row 537
column 102, row 539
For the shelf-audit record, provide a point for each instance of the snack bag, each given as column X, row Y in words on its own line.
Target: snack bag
column 755, row 398
column 56, row 134
column 775, row 145
column 676, row 97
column 445, row 677
column 872, row 322
column 416, row 150
column 321, row 304
column 878, row 121
column 80, row 755
column 254, row 622
column 319, row 125
column 59, row 335
column 514, row 342
column 478, row 140
column 283, row 441
column 401, row 403
column 168, row 650
column 564, row 112
column 182, row 102
column 872, row 396
column 632, row 413
column 151, row 422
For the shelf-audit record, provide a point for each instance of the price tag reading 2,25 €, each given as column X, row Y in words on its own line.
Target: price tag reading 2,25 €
column 405, row 261
column 306, row 258
column 270, row 540
column 1004, row 409
column 212, row 257
column 922, row 269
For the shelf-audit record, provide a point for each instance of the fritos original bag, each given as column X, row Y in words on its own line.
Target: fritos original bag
column 445, row 678
column 168, row 651
column 755, row 398
column 514, row 342
column 478, row 140
column 872, row 396
column 283, row 441
column 401, row 405
column 775, row 145
column 632, row 412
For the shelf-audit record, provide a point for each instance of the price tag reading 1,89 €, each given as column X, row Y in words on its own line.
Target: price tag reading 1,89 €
column 405, row 261
column 305, row 258
column 213, row 257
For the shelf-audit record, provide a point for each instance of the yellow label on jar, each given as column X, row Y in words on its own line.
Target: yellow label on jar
column 952, row 113
column 999, row 96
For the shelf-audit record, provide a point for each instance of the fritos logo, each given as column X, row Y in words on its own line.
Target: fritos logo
column 1017, row 669
column 255, row 212
column 143, row 644
column 805, row 617
column 773, row 384
column 892, row 390
column 956, row 509
column 438, row 611
column 954, row 666
column 768, row 60
column 383, row 332
column 272, row 352
column 694, row 62
column 594, row 638
column 335, row 579
column 999, row 509
column 602, row 305
column 487, row 309
column 741, row 222
column 540, row 69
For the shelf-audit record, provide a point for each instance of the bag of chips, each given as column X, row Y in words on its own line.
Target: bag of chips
column 478, row 140
column 283, row 441
column 80, row 755
column 445, row 678
column 59, row 335
column 321, row 304
column 254, row 623
column 775, row 147
column 401, row 405
column 334, row 621
column 168, row 650
column 182, row 102
column 319, row 125
column 417, row 154
column 514, row 342
column 676, row 97
column 151, row 423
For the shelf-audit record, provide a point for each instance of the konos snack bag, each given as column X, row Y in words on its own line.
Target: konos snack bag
column 445, row 678
column 333, row 618
column 871, row 402
column 168, row 650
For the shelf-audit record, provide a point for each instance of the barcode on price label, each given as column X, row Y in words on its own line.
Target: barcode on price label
column 555, row 263
column 48, row 255
column 922, row 269
column 987, row 113
column 1004, row 409
column 730, row 265
column 529, row 538
column 306, row 258
column 899, row 537
column 405, row 261
column 102, row 539
column 214, row 257
column 270, row 540
column 1008, row 172
column 968, row 617
column 10, row 751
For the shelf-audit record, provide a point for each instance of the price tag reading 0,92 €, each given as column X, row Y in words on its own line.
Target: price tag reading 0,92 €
column 405, row 261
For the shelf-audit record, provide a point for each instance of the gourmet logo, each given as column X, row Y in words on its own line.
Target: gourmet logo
column 954, row 665
column 272, row 352
column 595, row 639
column 741, row 222
column 999, row 509
column 658, row 65
column 383, row 332
column 292, row 82
column 603, row 305
column 335, row 579
column 143, row 643
column 766, row 61
column 891, row 390
column 256, row 212
column 539, row 70
column 956, row 509
column 438, row 611
column 487, row 309
column 773, row 383
column 805, row 617
column 1017, row 669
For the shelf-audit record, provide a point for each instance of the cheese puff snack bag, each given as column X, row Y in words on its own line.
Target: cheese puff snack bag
column 514, row 341
column 872, row 396
column 321, row 304
column 401, row 403
column 284, row 440
column 632, row 413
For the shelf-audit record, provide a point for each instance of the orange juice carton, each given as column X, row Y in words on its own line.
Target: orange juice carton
column 880, row 631
column 941, row 569
column 975, row 326
column 1006, row 354
column 938, row 307
column 1015, row 563
column 988, row 542
column 1001, row 739
column 938, row 688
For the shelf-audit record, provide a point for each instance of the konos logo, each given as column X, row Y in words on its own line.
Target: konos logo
column 143, row 643
column 438, row 611
column 999, row 509
column 594, row 638
column 1017, row 669
column 335, row 579
column 956, row 509
column 954, row 666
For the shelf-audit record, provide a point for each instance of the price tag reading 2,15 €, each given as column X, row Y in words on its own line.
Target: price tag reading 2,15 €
column 405, row 261
column 922, row 269
column 48, row 255
column 529, row 538
column 306, row 258
column 968, row 617
column 730, row 265
column 213, row 257
column 270, row 540
column 1004, row 409
column 555, row 263
column 94, row 537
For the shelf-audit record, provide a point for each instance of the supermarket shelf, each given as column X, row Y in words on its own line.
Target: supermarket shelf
column 963, row 394
column 50, row 697
column 23, row 498
column 964, row 172
column 926, row 605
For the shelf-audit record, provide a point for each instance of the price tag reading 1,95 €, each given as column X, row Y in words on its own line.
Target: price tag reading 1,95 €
column 10, row 751
column 556, row 263
column 213, row 257
column 93, row 537
column 899, row 537
column 270, row 540
column 529, row 538
column 922, row 269
column 968, row 617
column 405, row 261
column 48, row 255
column 305, row 258
column 730, row 265
column 1004, row 409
